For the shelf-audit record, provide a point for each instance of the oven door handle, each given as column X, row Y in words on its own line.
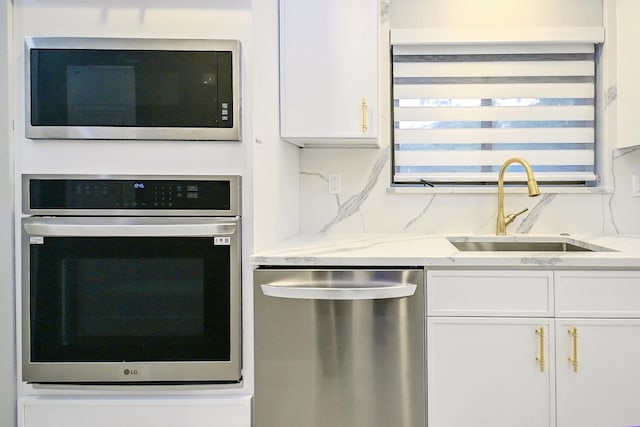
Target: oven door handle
column 323, row 292
column 129, row 230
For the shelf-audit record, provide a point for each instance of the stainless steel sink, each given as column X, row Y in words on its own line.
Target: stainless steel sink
column 524, row 244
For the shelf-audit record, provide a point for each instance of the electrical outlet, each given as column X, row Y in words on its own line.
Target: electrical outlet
column 335, row 184
column 635, row 185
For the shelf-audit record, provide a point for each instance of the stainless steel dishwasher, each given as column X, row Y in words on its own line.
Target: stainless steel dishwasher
column 339, row 348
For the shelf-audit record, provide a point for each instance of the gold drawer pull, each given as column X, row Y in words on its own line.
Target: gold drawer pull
column 573, row 332
column 540, row 358
column 364, row 115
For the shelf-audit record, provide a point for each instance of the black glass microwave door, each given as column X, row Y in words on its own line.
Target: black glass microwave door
column 130, row 88
column 129, row 299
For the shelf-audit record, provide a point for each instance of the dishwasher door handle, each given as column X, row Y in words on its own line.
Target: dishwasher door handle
column 306, row 292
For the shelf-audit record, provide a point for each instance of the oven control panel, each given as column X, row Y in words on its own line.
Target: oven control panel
column 139, row 194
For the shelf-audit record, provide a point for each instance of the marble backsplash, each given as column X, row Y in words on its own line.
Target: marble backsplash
column 366, row 204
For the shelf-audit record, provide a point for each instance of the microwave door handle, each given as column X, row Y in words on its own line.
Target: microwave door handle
column 387, row 291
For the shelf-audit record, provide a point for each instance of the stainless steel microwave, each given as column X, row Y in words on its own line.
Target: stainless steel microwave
column 121, row 88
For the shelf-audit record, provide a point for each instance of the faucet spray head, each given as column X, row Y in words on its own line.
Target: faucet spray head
column 532, row 186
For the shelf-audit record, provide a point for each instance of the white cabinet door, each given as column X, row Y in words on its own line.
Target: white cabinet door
column 135, row 412
column 487, row 372
column 628, row 65
column 603, row 388
column 329, row 72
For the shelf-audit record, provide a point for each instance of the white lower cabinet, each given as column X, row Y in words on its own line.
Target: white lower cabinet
column 134, row 412
column 489, row 372
column 602, row 388
column 483, row 362
column 489, row 344
column 598, row 328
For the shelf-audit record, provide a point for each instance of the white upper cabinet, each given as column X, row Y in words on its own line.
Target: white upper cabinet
column 329, row 72
column 627, row 57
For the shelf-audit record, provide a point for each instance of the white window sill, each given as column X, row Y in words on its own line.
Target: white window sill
column 493, row 190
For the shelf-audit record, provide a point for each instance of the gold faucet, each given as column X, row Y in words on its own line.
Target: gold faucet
column 532, row 186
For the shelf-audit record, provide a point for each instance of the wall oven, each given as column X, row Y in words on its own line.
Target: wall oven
column 131, row 279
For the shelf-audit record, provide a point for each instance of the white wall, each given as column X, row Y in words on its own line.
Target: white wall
column 7, row 314
column 275, row 166
column 606, row 210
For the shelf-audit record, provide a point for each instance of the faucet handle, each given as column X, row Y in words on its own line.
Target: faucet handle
column 509, row 218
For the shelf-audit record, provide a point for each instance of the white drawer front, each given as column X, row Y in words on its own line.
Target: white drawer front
column 135, row 412
column 516, row 293
column 598, row 294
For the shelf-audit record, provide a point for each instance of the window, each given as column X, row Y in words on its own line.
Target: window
column 460, row 111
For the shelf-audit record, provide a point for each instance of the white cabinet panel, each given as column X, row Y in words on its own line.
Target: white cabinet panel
column 328, row 67
column 527, row 293
column 135, row 412
column 486, row 372
column 598, row 294
column 603, row 390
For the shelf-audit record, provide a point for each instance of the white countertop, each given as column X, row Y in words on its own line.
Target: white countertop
column 406, row 249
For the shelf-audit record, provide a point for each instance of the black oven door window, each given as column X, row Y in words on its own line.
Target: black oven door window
column 129, row 299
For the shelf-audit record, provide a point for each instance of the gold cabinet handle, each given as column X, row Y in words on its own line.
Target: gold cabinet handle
column 540, row 358
column 364, row 115
column 573, row 332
